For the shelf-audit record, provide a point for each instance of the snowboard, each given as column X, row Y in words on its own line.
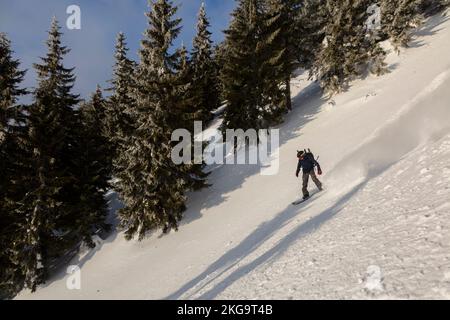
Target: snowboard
column 299, row 202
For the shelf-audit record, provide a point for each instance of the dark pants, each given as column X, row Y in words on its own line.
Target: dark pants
column 306, row 180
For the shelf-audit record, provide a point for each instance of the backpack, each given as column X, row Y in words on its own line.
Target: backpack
column 309, row 155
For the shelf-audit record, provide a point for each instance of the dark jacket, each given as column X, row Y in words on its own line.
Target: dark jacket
column 307, row 165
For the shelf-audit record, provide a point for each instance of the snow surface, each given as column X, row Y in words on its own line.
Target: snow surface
column 380, row 231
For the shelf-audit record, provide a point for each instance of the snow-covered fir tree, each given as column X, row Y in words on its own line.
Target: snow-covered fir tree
column 347, row 50
column 219, row 60
column 12, row 131
column 94, row 167
column 282, row 36
column 186, row 94
column 204, row 75
column 152, row 187
column 240, row 68
column 11, row 77
column 121, row 112
column 187, row 101
column 52, row 141
column 120, row 107
column 399, row 18
column 96, row 107
column 51, row 206
column 253, row 100
column 313, row 17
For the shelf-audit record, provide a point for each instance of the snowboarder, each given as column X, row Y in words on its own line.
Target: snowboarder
column 307, row 163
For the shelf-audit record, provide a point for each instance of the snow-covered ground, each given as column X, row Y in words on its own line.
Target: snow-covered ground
column 381, row 229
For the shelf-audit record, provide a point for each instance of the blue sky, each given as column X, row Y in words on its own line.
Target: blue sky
column 26, row 23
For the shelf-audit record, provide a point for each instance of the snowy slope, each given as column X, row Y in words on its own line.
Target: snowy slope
column 381, row 230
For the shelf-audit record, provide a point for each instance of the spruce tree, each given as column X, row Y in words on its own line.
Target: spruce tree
column 10, row 79
column 189, row 105
column 12, row 129
column 11, row 115
column 97, row 108
column 219, row 52
column 282, row 36
column 347, row 51
column 94, row 167
column 120, row 107
column 121, row 113
column 399, row 18
column 313, row 17
column 49, row 208
column 239, row 72
column 152, row 187
column 253, row 98
column 187, row 100
column 204, row 75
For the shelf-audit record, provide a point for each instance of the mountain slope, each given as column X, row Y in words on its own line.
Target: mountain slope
column 380, row 229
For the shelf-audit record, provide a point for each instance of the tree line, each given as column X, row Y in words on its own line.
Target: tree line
column 59, row 154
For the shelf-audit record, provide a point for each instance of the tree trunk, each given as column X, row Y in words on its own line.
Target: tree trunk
column 288, row 92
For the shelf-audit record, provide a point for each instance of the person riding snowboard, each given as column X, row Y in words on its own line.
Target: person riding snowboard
column 306, row 162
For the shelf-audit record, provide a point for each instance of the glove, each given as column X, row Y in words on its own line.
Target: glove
column 319, row 171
